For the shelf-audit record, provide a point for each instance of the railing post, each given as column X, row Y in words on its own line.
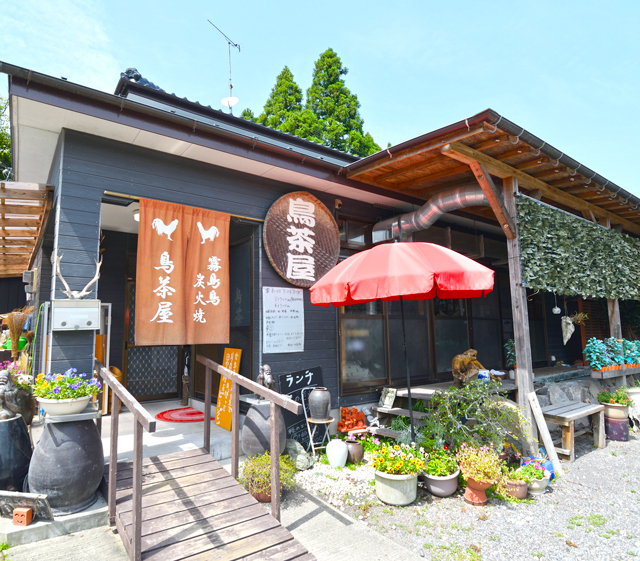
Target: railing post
column 113, row 458
column 207, row 410
column 136, row 527
column 275, row 460
column 235, row 428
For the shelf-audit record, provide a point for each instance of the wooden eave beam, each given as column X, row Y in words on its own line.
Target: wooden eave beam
column 395, row 172
column 427, row 146
column 495, row 199
column 463, row 153
column 418, row 182
column 535, row 163
column 490, row 143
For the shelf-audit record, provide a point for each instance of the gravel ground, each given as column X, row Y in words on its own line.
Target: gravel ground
column 591, row 513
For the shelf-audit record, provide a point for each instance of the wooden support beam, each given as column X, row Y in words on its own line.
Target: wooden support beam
column 615, row 325
column 536, row 194
column 419, row 182
column 23, row 191
column 466, row 154
column 605, row 222
column 536, row 162
column 20, row 222
column 493, row 141
column 493, row 196
column 9, row 242
column 588, row 214
column 522, row 338
column 400, row 171
column 21, row 209
column 4, row 250
column 617, row 227
column 10, row 234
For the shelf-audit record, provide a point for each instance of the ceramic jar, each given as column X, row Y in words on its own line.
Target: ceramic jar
column 616, row 411
column 355, row 452
column 256, row 430
column 397, row 490
column 319, row 404
column 337, row 453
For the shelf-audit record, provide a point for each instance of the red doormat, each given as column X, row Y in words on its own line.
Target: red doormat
column 183, row 415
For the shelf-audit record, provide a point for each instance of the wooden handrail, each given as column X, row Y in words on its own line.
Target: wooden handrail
column 276, row 400
column 142, row 419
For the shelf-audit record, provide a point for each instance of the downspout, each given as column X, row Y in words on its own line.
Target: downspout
column 401, row 226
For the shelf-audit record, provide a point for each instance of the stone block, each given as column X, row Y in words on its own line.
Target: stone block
column 556, row 395
column 573, row 391
column 298, row 454
column 595, row 387
column 544, row 400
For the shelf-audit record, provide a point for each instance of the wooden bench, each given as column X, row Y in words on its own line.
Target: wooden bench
column 566, row 414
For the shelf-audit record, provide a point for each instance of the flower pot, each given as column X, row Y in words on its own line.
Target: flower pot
column 337, row 453
column 475, row 492
column 616, row 411
column 397, row 490
column 538, row 486
column 442, row 486
column 262, row 496
column 319, row 404
column 355, row 452
column 55, row 407
column 516, row 489
column 634, row 394
column 616, row 429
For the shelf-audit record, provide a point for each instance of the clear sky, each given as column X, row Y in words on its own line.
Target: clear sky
column 567, row 71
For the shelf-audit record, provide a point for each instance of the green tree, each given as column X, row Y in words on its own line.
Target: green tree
column 5, row 139
column 336, row 108
column 284, row 101
column 248, row 115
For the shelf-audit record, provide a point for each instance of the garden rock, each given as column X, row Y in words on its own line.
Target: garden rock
column 544, row 400
column 595, row 388
column 556, row 395
column 298, row 454
column 574, row 391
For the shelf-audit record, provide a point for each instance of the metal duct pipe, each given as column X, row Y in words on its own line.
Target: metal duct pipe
column 425, row 216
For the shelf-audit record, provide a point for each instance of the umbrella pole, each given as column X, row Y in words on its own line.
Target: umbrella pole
column 406, row 364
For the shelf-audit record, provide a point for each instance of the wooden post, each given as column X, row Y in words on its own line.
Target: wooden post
column 520, row 315
column 207, row 410
column 235, row 428
column 275, row 460
column 113, row 458
column 615, row 326
column 544, row 433
column 136, row 527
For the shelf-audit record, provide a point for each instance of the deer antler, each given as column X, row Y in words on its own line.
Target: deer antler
column 67, row 292
column 85, row 292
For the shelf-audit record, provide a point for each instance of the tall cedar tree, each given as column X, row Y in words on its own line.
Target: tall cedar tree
column 285, row 99
column 5, row 139
column 336, row 108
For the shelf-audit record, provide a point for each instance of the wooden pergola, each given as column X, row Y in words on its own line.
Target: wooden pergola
column 24, row 208
column 478, row 152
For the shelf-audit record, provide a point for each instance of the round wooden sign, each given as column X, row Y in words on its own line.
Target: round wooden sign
column 301, row 238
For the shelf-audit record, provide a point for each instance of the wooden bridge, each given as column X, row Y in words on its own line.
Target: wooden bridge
column 186, row 505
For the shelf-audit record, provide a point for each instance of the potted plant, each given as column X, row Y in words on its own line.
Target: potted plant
column 255, row 476
column 441, row 473
column 616, row 403
column 481, row 467
column 634, row 394
column 510, row 352
column 596, row 355
column 513, row 484
column 64, row 394
column 536, row 477
column 397, row 467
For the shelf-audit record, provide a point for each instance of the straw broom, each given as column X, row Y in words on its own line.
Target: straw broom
column 15, row 321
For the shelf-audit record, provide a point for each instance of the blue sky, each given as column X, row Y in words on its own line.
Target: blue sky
column 566, row 71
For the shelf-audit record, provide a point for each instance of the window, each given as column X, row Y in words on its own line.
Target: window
column 354, row 234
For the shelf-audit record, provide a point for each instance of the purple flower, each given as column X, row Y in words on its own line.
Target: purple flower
column 376, row 441
column 56, row 390
column 75, row 386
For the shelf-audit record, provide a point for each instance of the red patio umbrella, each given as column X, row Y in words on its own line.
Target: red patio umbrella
column 402, row 271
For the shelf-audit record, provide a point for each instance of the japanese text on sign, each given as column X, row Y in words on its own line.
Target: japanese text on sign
column 283, row 320
column 224, row 408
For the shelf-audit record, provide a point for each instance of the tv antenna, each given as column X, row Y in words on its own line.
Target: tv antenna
column 228, row 101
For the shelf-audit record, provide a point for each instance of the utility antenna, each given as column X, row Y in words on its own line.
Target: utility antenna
column 228, row 101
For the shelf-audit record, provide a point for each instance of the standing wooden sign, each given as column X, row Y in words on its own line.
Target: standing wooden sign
column 182, row 278
column 224, row 409
column 301, row 238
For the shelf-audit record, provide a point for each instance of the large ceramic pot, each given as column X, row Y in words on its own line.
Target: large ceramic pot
column 442, row 486
column 475, row 492
column 67, row 465
column 397, row 490
column 538, row 486
column 320, row 404
column 55, row 407
column 616, row 429
column 516, row 489
column 337, row 453
column 355, row 452
column 616, row 411
column 256, row 431
column 15, row 453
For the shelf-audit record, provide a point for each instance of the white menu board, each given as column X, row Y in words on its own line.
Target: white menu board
column 283, row 320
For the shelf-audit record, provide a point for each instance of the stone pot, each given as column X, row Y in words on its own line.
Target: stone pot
column 538, row 486
column 397, row 490
column 355, row 452
column 15, row 453
column 67, row 465
column 55, row 407
column 475, row 492
column 320, row 404
column 442, row 486
column 337, row 453
column 516, row 489
column 256, row 431
column 616, row 411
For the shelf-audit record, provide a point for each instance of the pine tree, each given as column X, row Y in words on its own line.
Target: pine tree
column 248, row 115
column 284, row 101
column 336, row 108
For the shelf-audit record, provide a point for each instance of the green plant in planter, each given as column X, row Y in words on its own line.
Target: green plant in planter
column 509, row 475
column 614, row 350
column 479, row 462
column 255, row 474
column 533, row 471
column 510, row 351
column 618, row 397
column 596, row 354
column 441, row 463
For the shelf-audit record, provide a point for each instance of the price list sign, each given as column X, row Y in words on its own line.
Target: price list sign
column 283, row 320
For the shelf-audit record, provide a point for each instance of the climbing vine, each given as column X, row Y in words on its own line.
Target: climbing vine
column 564, row 254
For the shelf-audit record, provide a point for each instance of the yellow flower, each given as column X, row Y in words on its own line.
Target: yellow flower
column 39, row 377
column 396, row 447
column 59, row 377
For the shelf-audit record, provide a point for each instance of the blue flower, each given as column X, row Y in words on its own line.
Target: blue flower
column 70, row 372
column 75, row 386
column 56, row 390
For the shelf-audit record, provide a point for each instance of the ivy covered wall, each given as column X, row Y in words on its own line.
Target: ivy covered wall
column 563, row 254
